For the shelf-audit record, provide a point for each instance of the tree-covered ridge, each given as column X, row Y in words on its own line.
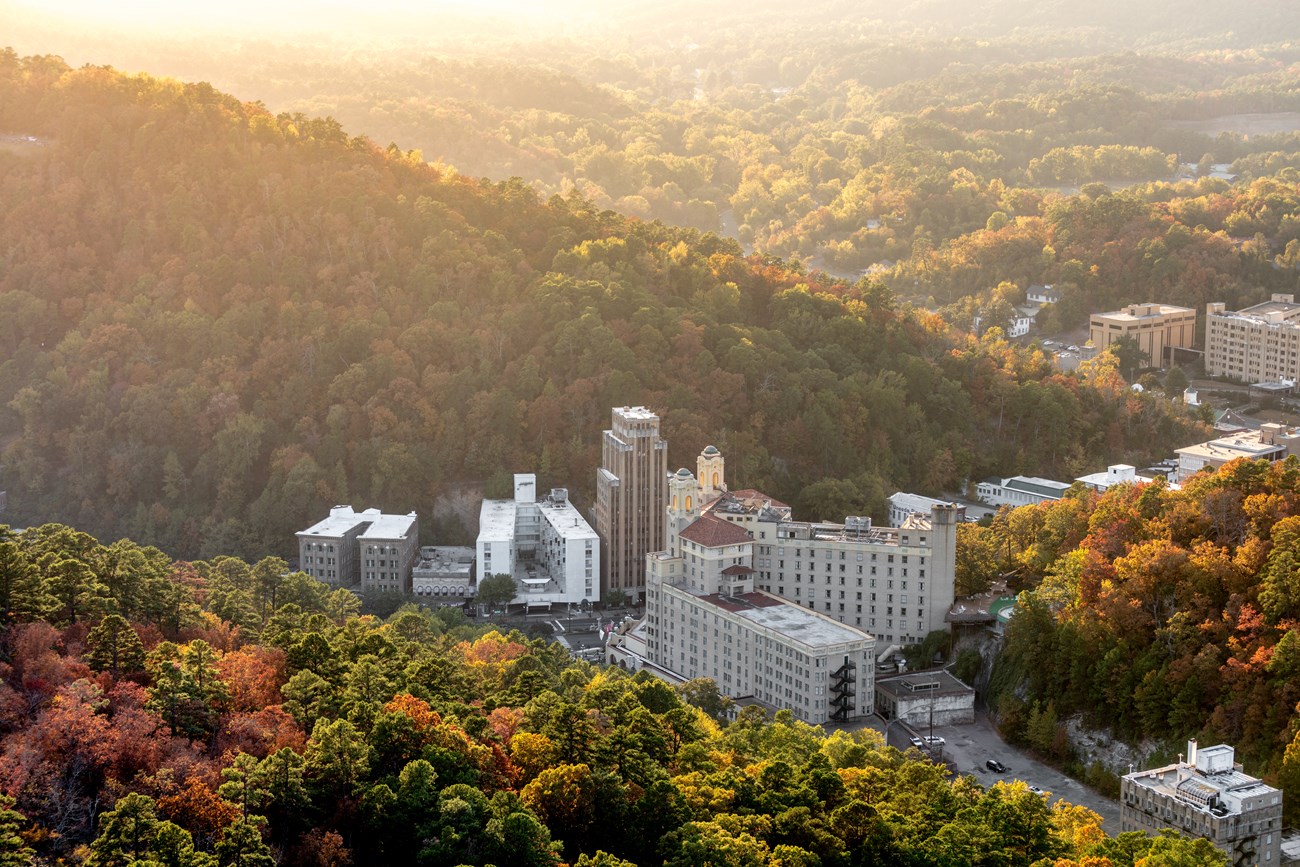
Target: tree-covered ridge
column 290, row 730
column 1161, row 614
column 838, row 146
column 221, row 322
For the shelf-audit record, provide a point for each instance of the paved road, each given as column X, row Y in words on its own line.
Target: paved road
column 968, row 747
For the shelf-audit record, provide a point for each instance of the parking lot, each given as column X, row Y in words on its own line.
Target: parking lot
column 967, row 748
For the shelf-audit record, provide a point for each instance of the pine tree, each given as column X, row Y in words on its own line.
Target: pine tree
column 113, row 646
column 14, row 851
column 242, row 845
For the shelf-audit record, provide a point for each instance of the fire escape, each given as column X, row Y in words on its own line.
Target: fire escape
column 843, row 680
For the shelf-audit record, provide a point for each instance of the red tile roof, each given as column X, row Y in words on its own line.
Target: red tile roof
column 714, row 532
column 737, row 569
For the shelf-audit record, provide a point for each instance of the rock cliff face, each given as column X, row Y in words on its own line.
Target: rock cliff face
column 1116, row 756
column 459, row 503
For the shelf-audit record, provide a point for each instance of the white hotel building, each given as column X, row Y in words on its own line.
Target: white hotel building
column 549, row 548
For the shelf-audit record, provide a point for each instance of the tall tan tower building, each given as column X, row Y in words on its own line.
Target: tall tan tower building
column 631, row 498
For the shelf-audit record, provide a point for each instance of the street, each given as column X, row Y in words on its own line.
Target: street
column 968, row 747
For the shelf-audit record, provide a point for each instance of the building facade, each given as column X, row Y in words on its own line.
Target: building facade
column 705, row 619
column 545, row 544
column 924, row 698
column 895, row 582
column 631, row 495
column 1207, row 795
column 444, row 574
column 367, row 550
column 1155, row 328
column 1257, row 344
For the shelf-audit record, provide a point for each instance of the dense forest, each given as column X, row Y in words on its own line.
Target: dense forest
column 219, row 321
column 1158, row 614
column 209, row 714
column 849, row 150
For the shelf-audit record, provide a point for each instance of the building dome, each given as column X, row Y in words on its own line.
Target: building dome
column 683, row 473
column 710, row 451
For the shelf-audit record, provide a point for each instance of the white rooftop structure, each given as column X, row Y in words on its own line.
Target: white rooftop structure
column 388, row 526
column 902, row 504
column 1116, row 474
column 341, row 520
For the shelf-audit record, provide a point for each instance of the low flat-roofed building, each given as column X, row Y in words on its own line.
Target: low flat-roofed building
column 1271, row 442
column 444, row 574
column 921, row 698
column 1020, row 490
column 1207, row 795
column 1155, row 327
column 1115, row 474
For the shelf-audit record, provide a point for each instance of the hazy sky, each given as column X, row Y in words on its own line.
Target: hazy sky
column 336, row 19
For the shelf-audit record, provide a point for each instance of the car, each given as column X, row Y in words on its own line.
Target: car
column 934, row 740
column 915, row 741
column 1072, row 348
column 995, row 766
column 1035, row 789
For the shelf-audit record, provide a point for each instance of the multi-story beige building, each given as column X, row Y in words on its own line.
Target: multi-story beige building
column 367, row 549
column 631, row 495
column 1155, row 327
column 896, row 583
column 1258, row 344
column 1207, row 796
column 705, row 619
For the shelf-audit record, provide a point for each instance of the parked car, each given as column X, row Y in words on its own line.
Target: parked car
column 916, row 742
column 995, row 766
column 934, row 740
column 1035, row 789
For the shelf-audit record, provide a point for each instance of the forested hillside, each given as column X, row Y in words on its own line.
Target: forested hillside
column 1158, row 614
column 219, row 321
column 958, row 165
column 212, row 713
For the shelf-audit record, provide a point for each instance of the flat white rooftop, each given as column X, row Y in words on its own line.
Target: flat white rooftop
column 389, row 527
column 1227, row 448
column 566, row 520
column 341, row 520
column 496, row 520
column 637, row 413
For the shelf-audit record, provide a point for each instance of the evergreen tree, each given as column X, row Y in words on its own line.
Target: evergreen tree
column 14, row 851
column 114, row 646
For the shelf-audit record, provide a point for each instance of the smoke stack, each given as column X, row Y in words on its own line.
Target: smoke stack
column 1191, row 752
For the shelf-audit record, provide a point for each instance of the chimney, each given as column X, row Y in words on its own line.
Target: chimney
column 1191, row 752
